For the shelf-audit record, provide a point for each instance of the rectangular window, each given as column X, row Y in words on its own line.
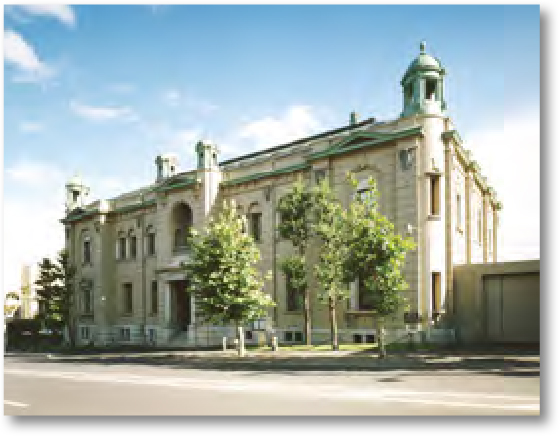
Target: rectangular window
column 288, row 336
column 294, row 300
column 152, row 335
column 256, row 226
column 122, row 248
column 124, row 334
column 298, row 337
column 84, row 332
column 127, row 298
column 434, row 195
column 132, row 242
column 151, row 244
column 86, row 295
column 459, row 212
column 87, row 252
column 431, row 89
column 320, row 175
column 365, row 297
column 154, row 298
column 436, row 292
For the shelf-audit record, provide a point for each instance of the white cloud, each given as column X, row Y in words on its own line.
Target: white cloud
column 296, row 122
column 31, row 127
column 63, row 13
column 22, row 55
column 172, row 97
column 103, row 113
column 33, row 206
column 35, row 174
column 509, row 155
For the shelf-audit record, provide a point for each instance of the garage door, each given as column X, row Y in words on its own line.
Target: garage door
column 512, row 307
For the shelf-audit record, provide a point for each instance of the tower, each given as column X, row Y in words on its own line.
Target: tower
column 76, row 192
column 166, row 165
column 208, row 172
column 423, row 86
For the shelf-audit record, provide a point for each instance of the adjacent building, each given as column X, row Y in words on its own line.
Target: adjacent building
column 128, row 250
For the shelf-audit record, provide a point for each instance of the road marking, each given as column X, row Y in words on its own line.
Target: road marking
column 15, row 403
column 449, row 399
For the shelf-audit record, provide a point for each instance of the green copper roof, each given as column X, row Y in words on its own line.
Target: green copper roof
column 423, row 62
column 257, row 176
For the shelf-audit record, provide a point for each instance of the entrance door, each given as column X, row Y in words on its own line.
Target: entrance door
column 182, row 304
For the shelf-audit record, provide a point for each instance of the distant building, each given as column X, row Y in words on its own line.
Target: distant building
column 128, row 249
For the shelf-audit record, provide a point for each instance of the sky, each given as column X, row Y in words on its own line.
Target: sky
column 101, row 90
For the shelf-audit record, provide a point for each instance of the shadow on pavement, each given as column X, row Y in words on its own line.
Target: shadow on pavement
column 508, row 365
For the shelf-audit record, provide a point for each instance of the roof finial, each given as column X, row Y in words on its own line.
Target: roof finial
column 422, row 46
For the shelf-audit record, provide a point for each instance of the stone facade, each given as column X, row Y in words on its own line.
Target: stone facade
column 128, row 249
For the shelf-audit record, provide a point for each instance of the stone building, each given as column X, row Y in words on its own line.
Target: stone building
column 128, row 249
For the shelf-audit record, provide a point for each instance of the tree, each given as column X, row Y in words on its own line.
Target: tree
column 224, row 279
column 375, row 257
column 296, row 225
column 55, row 292
column 330, row 226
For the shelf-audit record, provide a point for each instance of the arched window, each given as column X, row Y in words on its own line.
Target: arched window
column 86, row 249
column 132, row 245
column 150, row 241
column 255, row 221
column 182, row 221
column 121, row 246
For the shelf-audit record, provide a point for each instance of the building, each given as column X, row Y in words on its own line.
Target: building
column 128, row 249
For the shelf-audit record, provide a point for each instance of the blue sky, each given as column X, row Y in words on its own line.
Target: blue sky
column 100, row 90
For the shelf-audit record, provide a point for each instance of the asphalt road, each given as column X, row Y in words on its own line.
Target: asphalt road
column 36, row 385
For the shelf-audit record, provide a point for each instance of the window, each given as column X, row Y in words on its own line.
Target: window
column 370, row 339
column 248, row 335
column 288, row 336
column 127, row 298
column 87, row 251
column 434, row 195
column 320, row 175
column 151, row 244
column 154, row 298
column 294, row 299
column 357, row 338
column 152, row 335
column 431, row 89
column 365, row 297
column 84, row 332
column 436, row 292
column 124, row 334
column 256, row 225
column 459, row 212
column 86, row 300
column 298, row 337
column 121, row 247
column 132, row 246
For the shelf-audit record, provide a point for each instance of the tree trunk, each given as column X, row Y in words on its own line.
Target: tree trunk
column 306, row 308
column 241, row 341
column 334, row 327
column 381, row 338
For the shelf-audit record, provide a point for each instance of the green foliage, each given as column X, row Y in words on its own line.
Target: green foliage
column 375, row 253
column 224, row 279
column 55, row 291
column 330, row 227
column 293, row 268
column 296, row 216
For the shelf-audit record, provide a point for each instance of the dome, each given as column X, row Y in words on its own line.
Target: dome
column 423, row 62
column 76, row 180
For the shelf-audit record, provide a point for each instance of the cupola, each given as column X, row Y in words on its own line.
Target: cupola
column 423, row 86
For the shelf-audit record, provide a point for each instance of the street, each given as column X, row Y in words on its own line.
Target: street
column 39, row 385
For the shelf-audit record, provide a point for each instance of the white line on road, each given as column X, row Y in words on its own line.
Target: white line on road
column 15, row 403
column 454, row 399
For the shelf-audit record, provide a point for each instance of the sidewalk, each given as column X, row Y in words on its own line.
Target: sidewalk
column 287, row 360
